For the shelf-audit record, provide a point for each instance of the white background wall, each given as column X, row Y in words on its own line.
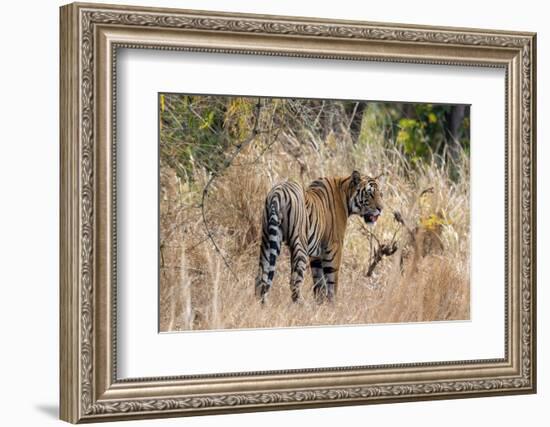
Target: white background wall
column 29, row 170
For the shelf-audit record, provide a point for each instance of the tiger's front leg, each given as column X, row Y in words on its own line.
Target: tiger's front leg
column 331, row 260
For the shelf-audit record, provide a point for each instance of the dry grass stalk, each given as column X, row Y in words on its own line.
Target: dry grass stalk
column 186, row 297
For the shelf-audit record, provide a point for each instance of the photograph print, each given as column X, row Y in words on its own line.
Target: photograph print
column 287, row 212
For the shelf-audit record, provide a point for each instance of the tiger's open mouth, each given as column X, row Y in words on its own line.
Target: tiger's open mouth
column 371, row 218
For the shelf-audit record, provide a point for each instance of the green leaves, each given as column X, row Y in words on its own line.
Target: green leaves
column 198, row 131
column 191, row 133
column 425, row 130
column 412, row 137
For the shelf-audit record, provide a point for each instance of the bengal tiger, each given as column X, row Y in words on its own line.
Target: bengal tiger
column 313, row 224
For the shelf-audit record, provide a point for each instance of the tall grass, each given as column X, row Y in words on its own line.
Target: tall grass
column 427, row 279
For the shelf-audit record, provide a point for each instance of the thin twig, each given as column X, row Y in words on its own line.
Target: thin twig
column 263, row 151
column 214, row 175
column 353, row 115
column 204, row 121
column 200, row 242
column 370, row 234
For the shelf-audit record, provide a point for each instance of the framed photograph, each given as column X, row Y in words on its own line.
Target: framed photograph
column 267, row 212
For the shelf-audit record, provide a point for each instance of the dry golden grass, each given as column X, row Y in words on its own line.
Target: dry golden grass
column 431, row 283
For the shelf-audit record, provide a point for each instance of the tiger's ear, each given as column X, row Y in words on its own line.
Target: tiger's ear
column 355, row 178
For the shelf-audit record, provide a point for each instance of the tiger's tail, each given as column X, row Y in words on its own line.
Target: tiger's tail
column 270, row 249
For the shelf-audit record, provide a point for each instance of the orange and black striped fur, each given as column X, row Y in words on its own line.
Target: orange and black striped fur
column 313, row 223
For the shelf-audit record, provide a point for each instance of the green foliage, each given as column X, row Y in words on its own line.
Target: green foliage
column 198, row 132
column 426, row 130
column 412, row 137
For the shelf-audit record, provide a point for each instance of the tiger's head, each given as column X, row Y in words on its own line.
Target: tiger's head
column 365, row 197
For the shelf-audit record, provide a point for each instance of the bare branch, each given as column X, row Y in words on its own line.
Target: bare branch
column 426, row 191
column 382, row 251
column 214, row 175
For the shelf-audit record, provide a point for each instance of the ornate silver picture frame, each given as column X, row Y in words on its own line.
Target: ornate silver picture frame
column 91, row 35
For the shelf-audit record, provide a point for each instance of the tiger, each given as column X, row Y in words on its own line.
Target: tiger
column 312, row 223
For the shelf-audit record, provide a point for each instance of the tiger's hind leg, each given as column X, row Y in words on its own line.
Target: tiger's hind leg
column 270, row 250
column 319, row 284
column 298, row 264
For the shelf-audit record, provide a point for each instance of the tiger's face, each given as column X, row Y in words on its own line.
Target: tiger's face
column 365, row 198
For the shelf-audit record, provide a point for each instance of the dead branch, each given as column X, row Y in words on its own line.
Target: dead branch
column 426, row 191
column 388, row 249
column 383, row 250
